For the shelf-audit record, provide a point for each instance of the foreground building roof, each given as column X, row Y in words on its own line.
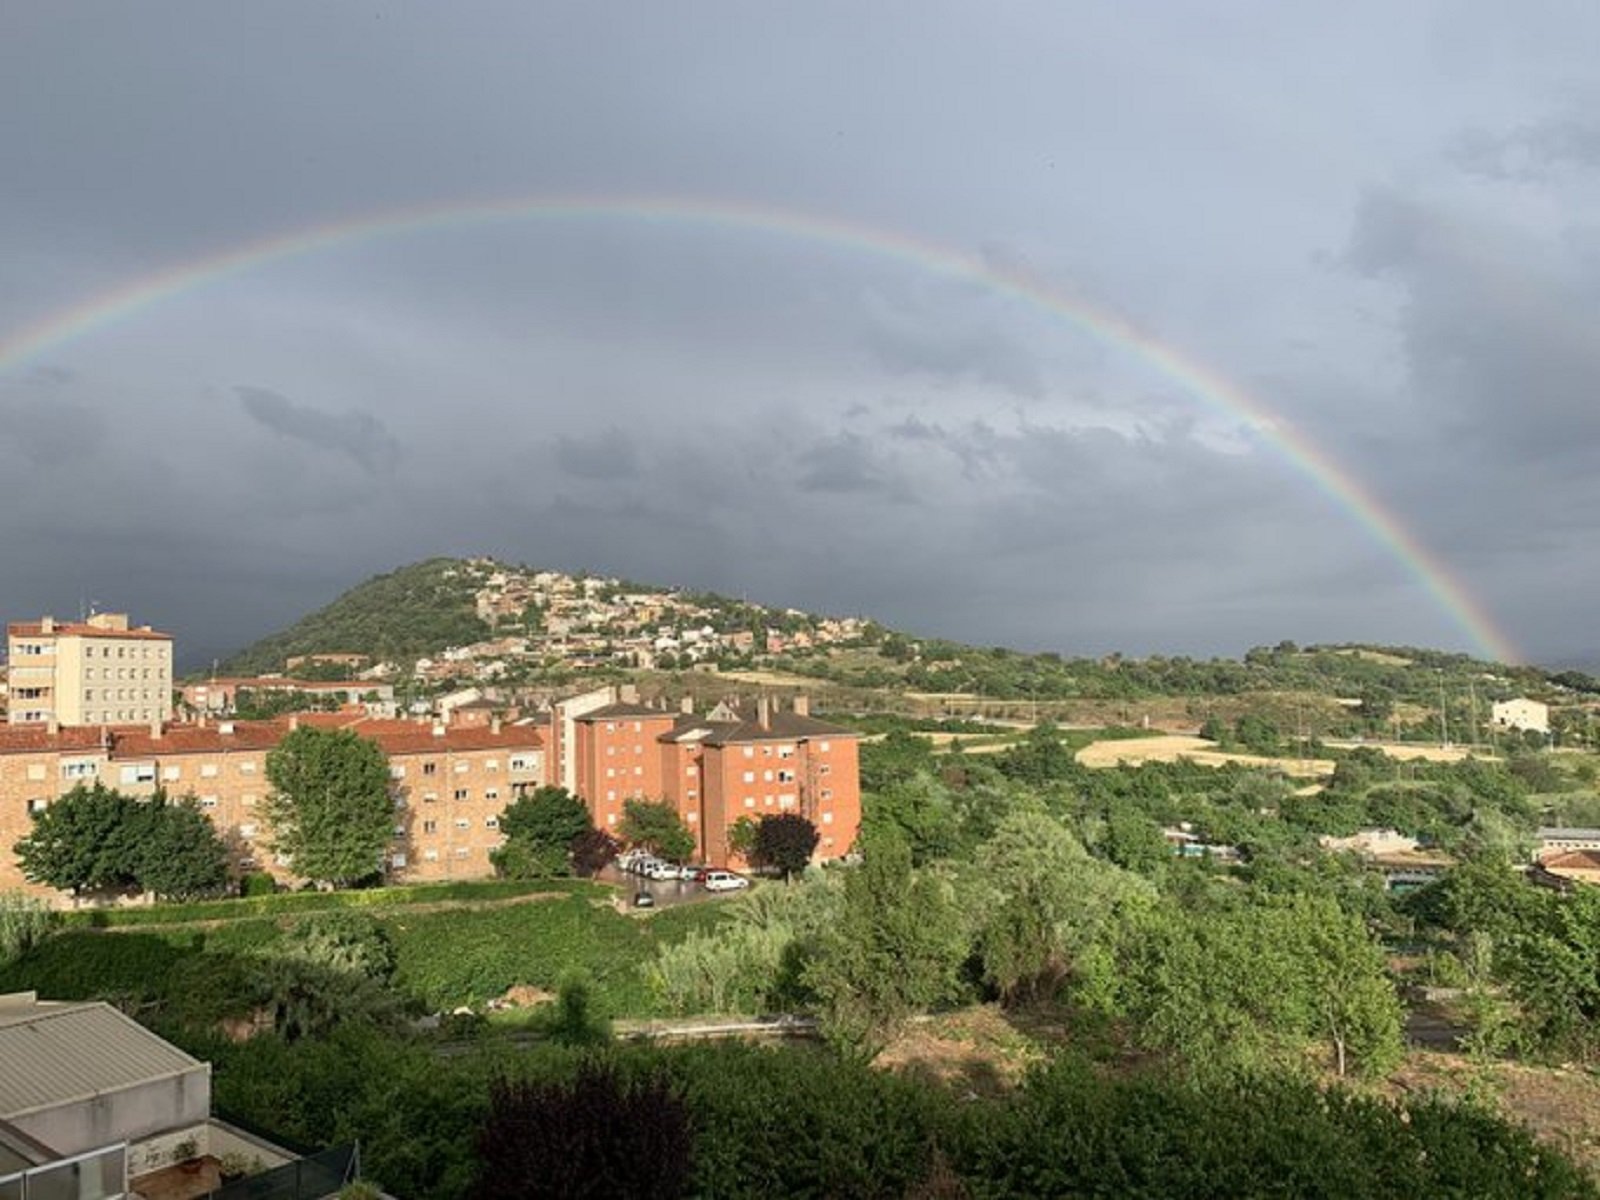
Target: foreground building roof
column 57, row 1053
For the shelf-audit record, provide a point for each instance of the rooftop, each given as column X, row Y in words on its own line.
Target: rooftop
column 59, row 1052
column 76, row 629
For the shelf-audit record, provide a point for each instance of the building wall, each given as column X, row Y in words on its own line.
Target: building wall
column 129, row 1114
column 448, row 799
column 95, row 677
column 618, row 759
column 1528, row 715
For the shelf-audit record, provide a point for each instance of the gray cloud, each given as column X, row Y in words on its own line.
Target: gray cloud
column 664, row 391
column 357, row 435
column 606, row 454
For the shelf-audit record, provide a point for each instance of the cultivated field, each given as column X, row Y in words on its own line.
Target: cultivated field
column 1171, row 747
column 1407, row 751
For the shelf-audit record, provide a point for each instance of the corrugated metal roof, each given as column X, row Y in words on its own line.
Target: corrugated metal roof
column 53, row 1054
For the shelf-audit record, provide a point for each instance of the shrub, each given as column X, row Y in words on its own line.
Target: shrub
column 598, row 1135
column 257, row 883
column 24, row 922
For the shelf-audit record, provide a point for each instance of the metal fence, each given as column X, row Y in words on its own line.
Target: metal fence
column 310, row 1178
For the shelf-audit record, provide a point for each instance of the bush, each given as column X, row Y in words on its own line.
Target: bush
column 257, row 883
column 597, row 1135
column 24, row 922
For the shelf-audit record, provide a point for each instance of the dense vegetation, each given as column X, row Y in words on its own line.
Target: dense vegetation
column 414, row 611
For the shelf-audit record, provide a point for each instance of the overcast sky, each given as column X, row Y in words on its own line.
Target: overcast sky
column 1377, row 219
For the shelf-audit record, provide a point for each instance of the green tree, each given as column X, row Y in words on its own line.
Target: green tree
column 655, row 825
column 540, row 829
column 180, row 855
column 86, row 840
column 1047, row 902
column 896, row 949
column 742, row 837
column 1352, row 1003
column 330, row 808
column 786, row 841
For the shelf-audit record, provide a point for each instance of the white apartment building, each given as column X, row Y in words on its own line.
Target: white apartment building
column 102, row 671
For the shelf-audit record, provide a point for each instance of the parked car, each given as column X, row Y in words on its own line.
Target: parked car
column 643, row 900
column 643, row 866
column 725, row 881
column 665, row 872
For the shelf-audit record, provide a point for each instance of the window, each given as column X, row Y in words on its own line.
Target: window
column 827, row 818
column 611, row 772
column 749, row 776
column 766, row 776
column 823, row 747
column 463, row 823
column 461, row 793
column 786, row 800
column 398, row 860
column 637, row 727
column 248, row 800
column 170, row 773
column 638, row 770
column 824, row 769
column 611, row 794
column 785, row 751
column 208, row 801
column 139, row 773
column 36, row 771
column 462, row 851
column 247, row 767
column 749, row 801
column 399, row 831
column 523, row 762
column 461, row 766
column 611, row 818
column 785, row 776
column 37, row 805
column 429, row 797
column 827, row 794
column 88, row 693
column 82, row 768
column 491, row 764
column 430, row 827
column 691, row 770
column 429, row 768
column 611, row 751
column 491, row 794
column 247, row 831
column 749, row 751
column 208, row 770
column 396, row 771
column 693, row 817
column 491, row 822
column 430, row 856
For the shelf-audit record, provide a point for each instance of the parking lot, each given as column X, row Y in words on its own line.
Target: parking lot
column 665, row 892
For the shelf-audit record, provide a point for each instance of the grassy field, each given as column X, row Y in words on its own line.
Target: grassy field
column 1172, row 747
column 455, row 945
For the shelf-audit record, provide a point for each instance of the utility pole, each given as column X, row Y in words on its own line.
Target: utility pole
column 1472, row 711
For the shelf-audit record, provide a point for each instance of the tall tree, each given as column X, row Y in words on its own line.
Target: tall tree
column 181, row 856
column 786, row 841
column 85, row 840
column 896, row 949
column 540, row 829
column 330, row 807
column 655, row 825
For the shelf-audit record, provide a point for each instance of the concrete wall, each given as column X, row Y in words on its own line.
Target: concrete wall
column 131, row 1114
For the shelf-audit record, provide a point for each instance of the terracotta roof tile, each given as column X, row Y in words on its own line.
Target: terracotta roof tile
column 71, row 629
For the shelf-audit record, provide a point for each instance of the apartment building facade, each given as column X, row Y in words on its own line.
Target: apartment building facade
column 102, row 671
column 716, row 768
column 448, row 785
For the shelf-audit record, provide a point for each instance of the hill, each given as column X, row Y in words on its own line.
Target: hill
column 414, row 611
column 482, row 621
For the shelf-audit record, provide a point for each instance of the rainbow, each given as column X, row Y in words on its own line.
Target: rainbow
column 1343, row 489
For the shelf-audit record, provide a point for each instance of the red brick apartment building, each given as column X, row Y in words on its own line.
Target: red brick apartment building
column 449, row 784
column 715, row 768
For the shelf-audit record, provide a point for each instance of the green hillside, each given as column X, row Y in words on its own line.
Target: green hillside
column 408, row 613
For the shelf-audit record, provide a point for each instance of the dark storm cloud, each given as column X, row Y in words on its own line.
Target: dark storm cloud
column 606, row 454
column 846, row 463
column 668, row 394
column 357, row 435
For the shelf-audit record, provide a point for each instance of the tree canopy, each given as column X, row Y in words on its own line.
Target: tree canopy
column 330, row 808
